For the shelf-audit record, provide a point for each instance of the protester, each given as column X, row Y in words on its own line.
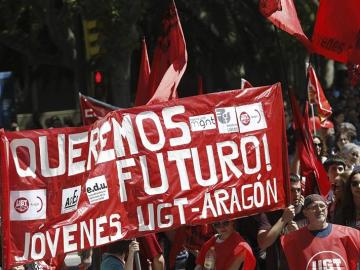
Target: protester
column 336, row 207
column 334, row 166
column 232, row 251
column 120, row 255
column 351, row 207
column 274, row 224
column 342, row 139
column 321, row 245
column 351, row 154
column 320, row 148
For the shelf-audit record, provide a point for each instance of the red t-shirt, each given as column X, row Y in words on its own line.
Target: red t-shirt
column 338, row 250
column 226, row 252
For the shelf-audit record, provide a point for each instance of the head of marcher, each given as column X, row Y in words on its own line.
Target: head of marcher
column 334, row 166
column 315, row 210
column 224, row 228
column 295, row 190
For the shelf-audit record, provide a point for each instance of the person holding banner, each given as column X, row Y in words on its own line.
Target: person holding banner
column 120, row 255
column 232, row 251
column 272, row 225
column 321, row 245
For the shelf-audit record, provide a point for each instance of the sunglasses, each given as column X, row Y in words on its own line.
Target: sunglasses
column 355, row 183
column 221, row 224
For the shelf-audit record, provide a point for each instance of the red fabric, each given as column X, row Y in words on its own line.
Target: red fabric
column 337, row 34
column 69, row 189
column 318, row 124
column 170, row 59
column 282, row 14
column 142, row 93
column 92, row 109
column 315, row 90
column 149, row 249
column 310, row 165
column 245, row 84
column 226, row 252
column 339, row 250
column 268, row 7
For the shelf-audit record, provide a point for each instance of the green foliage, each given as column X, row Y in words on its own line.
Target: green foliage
column 226, row 40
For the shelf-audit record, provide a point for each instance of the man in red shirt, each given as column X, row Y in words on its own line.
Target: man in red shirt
column 231, row 249
column 321, row 245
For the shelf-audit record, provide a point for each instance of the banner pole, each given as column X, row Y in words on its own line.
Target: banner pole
column 313, row 117
column 5, row 200
column 137, row 259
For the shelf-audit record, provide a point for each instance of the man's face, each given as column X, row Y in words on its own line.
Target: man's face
column 295, row 193
column 334, row 170
column 316, row 213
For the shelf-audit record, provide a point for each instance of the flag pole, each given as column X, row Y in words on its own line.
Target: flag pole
column 313, row 117
column 308, row 95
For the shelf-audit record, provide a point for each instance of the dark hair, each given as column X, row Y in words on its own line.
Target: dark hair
column 294, row 178
column 119, row 247
column 323, row 145
column 333, row 160
column 349, row 213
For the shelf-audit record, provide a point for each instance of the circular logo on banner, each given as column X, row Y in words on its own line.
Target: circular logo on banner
column 245, row 118
column 21, row 205
column 326, row 260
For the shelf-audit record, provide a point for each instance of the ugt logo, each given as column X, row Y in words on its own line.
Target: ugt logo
column 223, row 116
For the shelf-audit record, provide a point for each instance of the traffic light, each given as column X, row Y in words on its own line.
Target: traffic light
column 91, row 38
column 98, row 79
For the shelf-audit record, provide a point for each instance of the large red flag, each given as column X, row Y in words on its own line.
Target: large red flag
column 282, row 14
column 92, row 109
column 311, row 166
column 337, row 30
column 170, row 59
column 317, row 96
column 142, row 93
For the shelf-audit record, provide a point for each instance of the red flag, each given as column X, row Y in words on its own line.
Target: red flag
column 92, row 109
column 170, row 59
column 142, row 93
column 245, row 84
column 200, row 86
column 317, row 96
column 282, row 14
column 311, row 166
column 337, row 30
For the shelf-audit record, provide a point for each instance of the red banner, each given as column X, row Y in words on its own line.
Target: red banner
column 92, row 109
column 337, row 30
column 142, row 170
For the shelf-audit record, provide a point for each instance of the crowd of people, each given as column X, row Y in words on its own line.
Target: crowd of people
column 313, row 232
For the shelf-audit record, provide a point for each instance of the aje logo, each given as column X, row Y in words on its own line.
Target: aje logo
column 97, row 189
column 70, row 199
column 202, row 122
column 251, row 117
column 227, row 122
column 28, row 204
column 324, row 260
